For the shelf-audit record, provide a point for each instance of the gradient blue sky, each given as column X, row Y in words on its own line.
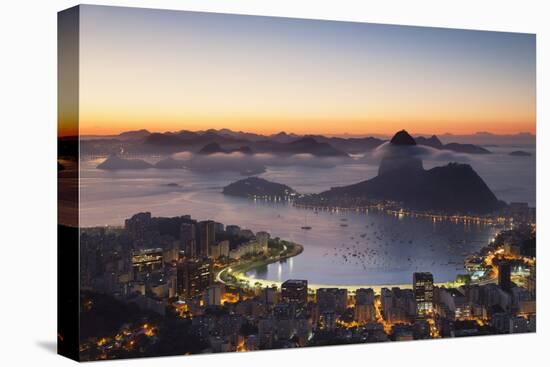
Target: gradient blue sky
column 172, row 70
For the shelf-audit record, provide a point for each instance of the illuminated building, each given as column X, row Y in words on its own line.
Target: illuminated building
column 251, row 247
column 294, row 291
column 193, row 277
column 423, row 285
column 474, row 264
column 146, row 261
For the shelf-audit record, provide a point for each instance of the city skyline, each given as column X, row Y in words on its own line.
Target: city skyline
column 195, row 71
column 197, row 285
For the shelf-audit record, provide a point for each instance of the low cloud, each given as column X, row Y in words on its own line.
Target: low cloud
column 421, row 151
column 252, row 163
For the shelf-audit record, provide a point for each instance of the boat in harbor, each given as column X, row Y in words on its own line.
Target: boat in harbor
column 305, row 226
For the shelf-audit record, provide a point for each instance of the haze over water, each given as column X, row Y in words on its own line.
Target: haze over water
column 387, row 249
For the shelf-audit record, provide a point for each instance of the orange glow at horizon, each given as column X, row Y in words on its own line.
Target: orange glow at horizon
column 304, row 117
column 300, row 126
column 171, row 71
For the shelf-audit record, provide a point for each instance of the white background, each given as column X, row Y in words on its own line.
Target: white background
column 28, row 181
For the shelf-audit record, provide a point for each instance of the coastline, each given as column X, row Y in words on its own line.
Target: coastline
column 241, row 280
column 239, row 270
column 488, row 219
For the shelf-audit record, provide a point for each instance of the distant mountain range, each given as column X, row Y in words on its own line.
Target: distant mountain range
column 488, row 139
column 434, row 142
column 227, row 141
column 453, row 188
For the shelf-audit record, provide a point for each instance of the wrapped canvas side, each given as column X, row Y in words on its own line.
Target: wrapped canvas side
column 67, row 196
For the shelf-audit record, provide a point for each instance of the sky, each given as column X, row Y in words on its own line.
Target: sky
column 171, row 70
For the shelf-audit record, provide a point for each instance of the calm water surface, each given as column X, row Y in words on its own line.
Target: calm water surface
column 342, row 248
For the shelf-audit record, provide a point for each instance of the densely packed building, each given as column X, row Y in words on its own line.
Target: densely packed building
column 168, row 266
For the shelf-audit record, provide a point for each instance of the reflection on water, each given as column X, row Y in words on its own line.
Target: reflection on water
column 372, row 249
column 377, row 249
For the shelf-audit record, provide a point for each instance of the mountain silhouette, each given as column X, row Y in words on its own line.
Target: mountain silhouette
column 454, row 188
column 402, row 138
column 146, row 142
column 520, row 153
column 257, row 187
column 433, row 141
column 309, row 145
